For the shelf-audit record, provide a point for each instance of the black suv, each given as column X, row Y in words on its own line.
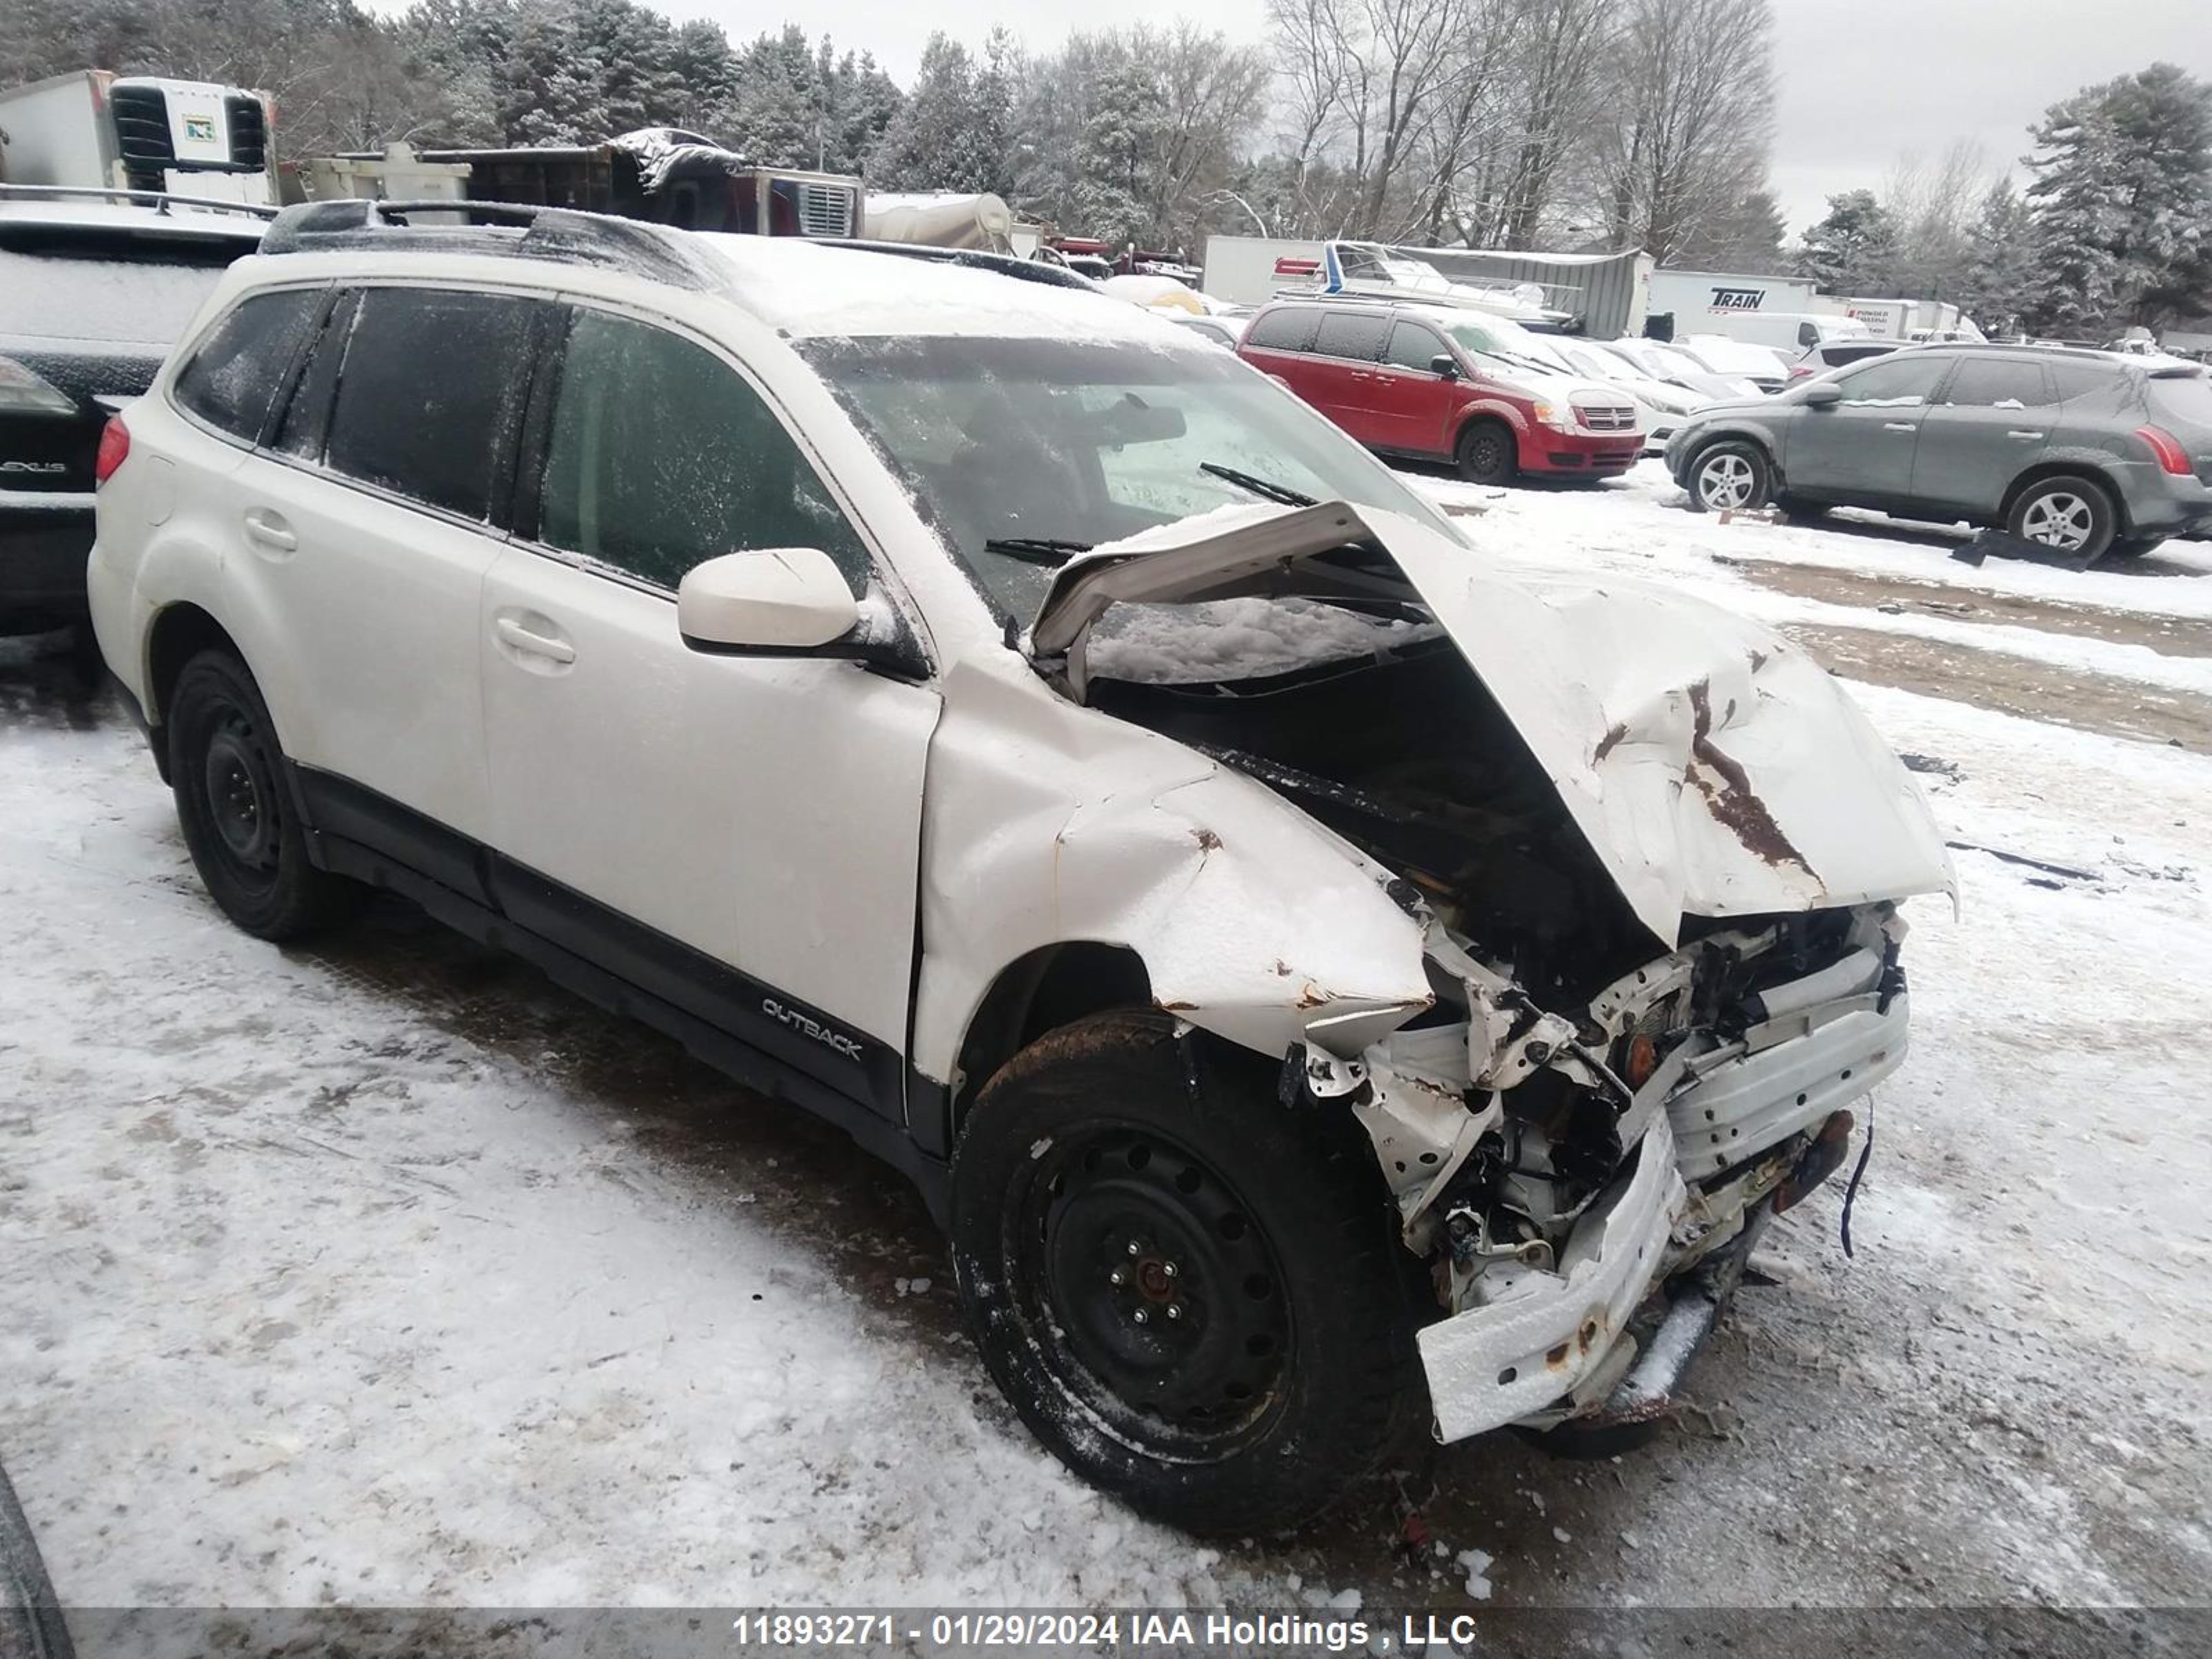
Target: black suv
column 95, row 286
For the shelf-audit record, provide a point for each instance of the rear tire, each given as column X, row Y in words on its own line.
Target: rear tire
column 2068, row 514
column 228, row 772
column 1488, row 453
column 1733, row 475
column 1190, row 1295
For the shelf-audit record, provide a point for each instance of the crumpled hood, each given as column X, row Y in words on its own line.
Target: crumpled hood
column 1715, row 768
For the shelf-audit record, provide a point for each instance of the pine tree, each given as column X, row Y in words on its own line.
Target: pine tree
column 952, row 132
column 2001, row 273
column 1853, row 249
column 2122, row 203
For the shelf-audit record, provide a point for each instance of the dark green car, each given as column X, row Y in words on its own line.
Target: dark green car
column 2088, row 453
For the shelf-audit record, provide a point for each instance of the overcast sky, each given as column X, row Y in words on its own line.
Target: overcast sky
column 1861, row 81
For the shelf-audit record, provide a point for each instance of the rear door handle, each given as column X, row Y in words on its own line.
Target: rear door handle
column 2023, row 435
column 515, row 635
column 266, row 529
column 1899, row 425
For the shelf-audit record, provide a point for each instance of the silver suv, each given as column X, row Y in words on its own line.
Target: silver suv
column 2086, row 452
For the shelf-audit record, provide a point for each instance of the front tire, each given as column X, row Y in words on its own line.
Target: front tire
column 1731, row 476
column 227, row 771
column 1190, row 1295
column 1487, row 453
column 2066, row 514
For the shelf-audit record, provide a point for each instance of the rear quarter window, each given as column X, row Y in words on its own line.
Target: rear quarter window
column 2186, row 398
column 235, row 371
column 1289, row 330
column 2076, row 380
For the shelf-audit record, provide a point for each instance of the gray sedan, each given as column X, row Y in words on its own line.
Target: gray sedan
column 2087, row 453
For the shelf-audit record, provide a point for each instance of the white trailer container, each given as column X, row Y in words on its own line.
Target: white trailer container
column 1701, row 300
column 942, row 219
column 93, row 129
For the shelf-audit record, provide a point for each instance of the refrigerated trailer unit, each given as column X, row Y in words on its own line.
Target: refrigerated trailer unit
column 93, row 129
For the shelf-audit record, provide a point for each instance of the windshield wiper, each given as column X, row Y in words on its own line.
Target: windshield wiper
column 1048, row 550
column 1265, row 488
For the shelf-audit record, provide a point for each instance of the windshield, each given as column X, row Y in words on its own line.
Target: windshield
column 1047, row 446
column 1496, row 336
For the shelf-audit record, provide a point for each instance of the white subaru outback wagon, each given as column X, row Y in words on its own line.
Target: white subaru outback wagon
column 1324, row 984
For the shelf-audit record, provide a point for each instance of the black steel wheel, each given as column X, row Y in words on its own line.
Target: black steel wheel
column 227, row 771
column 1488, row 454
column 1194, row 1296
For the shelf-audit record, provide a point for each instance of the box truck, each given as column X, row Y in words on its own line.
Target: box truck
column 91, row 129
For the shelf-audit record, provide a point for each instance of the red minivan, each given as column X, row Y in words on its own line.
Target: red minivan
column 1423, row 381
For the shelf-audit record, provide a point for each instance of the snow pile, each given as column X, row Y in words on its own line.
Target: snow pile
column 1238, row 639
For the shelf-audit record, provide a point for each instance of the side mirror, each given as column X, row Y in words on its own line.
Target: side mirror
column 779, row 600
column 1823, row 394
column 1444, row 366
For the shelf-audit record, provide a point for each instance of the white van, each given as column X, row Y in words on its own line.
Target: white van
column 1792, row 332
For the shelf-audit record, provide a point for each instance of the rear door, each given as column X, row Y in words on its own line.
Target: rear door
column 1413, row 404
column 1992, row 420
column 1862, row 448
column 738, row 834
column 368, row 522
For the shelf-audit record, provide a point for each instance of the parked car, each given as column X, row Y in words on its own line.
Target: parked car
column 1677, row 368
column 1820, row 358
column 1224, row 330
column 94, row 289
column 1764, row 367
column 2086, row 452
column 1324, row 987
column 1659, row 405
column 1443, row 383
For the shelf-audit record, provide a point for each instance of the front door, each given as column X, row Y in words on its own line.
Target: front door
column 738, row 834
column 1861, row 449
column 1994, row 420
column 1414, row 403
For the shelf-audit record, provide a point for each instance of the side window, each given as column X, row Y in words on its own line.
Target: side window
column 1895, row 382
column 662, row 456
column 1349, row 334
column 233, row 376
column 430, row 385
column 1990, row 383
column 1291, row 329
column 1413, row 346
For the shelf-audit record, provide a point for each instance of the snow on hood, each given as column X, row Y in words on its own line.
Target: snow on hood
column 1715, row 768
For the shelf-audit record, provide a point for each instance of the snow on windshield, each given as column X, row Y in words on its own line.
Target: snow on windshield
column 67, row 296
column 1238, row 639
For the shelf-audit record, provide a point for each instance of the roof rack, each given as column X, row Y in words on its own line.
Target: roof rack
column 160, row 200
column 1004, row 264
column 517, row 230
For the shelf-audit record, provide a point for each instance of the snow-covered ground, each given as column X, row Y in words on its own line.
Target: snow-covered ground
column 383, row 1271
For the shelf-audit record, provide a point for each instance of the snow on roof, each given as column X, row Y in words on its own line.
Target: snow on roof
column 143, row 219
column 815, row 289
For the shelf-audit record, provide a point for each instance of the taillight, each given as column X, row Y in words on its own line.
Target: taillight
column 2172, row 456
column 1799, row 372
column 114, row 449
column 23, row 393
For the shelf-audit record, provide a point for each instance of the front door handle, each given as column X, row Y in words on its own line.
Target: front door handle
column 2026, row 435
column 515, row 635
column 1898, row 426
column 266, row 529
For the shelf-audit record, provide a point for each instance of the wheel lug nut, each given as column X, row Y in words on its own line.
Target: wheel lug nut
column 1117, row 1277
column 1135, row 1249
column 1175, row 1310
column 1142, row 1317
column 1168, row 1268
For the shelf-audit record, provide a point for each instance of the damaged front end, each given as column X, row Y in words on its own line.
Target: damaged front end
column 1654, row 857
column 1555, row 1169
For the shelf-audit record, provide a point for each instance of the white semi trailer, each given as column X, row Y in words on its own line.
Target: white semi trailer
column 90, row 129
